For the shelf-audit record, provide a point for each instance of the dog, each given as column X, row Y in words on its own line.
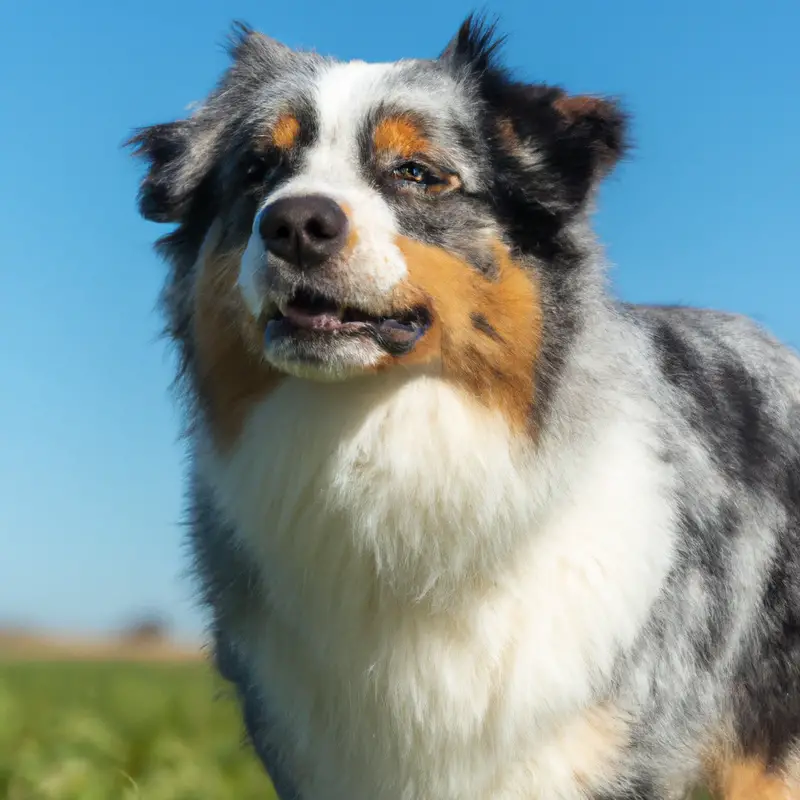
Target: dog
column 467, row 526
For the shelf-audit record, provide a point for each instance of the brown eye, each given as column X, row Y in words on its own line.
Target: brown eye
column 411, row 172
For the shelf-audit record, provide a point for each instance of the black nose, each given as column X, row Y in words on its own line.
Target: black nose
column 305, row 231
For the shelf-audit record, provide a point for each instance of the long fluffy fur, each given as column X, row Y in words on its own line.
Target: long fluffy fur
column 553, row 552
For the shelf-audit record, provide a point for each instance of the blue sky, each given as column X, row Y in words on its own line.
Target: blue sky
column 705, row 212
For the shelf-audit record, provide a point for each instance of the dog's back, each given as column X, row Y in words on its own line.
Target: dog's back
column 724, row 640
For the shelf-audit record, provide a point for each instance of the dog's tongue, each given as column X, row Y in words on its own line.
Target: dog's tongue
column 313, row 320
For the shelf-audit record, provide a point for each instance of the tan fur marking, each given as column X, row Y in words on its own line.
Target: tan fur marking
column 750, row 780
column 232, row 375
column 399, row 135
column 732, row 776
column 496, row 369
column 573, row 107
column 595, row 742
column 285, row 132
column 449, row 183
column 352, row 234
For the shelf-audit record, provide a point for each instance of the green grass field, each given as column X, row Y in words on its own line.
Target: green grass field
column 106, row 731
column 109, row 731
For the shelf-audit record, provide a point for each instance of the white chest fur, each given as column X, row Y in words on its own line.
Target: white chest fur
column 443, row 596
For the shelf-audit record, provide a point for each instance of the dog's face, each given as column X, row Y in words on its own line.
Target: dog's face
column 367, row 216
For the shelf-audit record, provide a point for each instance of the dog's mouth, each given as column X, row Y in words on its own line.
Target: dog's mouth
column 310, row 314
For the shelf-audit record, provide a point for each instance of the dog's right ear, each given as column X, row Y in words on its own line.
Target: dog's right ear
column 181, row 155
column 176, row 168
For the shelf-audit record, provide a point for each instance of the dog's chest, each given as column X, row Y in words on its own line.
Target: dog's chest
column 403, row 487
column 428, row 618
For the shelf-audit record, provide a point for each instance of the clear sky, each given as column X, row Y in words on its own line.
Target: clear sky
column 706, row 212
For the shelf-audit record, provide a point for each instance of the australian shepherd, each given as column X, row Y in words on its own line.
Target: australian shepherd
column 467, row 525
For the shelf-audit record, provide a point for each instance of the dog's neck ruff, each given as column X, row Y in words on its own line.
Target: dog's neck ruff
column 403, row 534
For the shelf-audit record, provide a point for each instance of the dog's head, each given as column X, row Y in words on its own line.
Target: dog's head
column 348, row 218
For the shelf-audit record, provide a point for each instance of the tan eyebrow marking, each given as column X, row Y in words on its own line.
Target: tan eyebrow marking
column 399, row 135
column 285, row 132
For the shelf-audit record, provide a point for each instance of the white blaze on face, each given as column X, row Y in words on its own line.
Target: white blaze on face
column 344, row 96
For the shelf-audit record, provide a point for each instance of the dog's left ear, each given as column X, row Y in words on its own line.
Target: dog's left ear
column 581, row 137
column 596, row 124
column 577, row 140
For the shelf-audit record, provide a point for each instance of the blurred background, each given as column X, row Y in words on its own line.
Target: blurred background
column 103, row 692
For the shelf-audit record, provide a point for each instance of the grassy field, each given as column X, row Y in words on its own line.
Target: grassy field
column 110, row 731
column 100, row 730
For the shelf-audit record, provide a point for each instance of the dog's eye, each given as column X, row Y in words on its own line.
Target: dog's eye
column 256, row 168
column 411, row 172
